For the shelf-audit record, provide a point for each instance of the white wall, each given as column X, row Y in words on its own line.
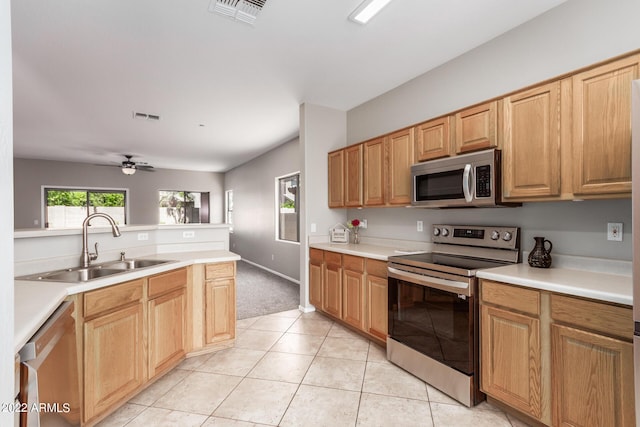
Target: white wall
column 31, row 175
column 254, row 215
column 6, row 214
column 573, row 35
column 322, row 130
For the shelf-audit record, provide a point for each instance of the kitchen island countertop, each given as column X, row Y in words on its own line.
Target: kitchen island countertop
column 35, row 301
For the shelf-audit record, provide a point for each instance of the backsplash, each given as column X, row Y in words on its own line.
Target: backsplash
column 575, row 228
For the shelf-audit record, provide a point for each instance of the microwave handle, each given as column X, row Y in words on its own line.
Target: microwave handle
column 467, row 183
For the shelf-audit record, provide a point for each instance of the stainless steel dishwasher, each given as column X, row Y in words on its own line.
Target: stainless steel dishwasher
column 49, row 390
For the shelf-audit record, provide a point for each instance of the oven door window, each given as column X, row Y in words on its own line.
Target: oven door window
column 440, row 186
column 435, row 323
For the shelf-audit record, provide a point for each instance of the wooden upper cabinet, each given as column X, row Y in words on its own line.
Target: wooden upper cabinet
column 375, row 172
column 531, row 143
column 400, row 157
column 476, row 128
column 602, row 127
column 336, row 179
column 353, row 176
column 433, row 139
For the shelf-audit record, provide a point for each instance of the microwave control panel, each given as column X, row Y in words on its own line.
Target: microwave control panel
column 483, row 181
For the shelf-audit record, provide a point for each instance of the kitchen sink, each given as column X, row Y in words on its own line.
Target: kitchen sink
column 130, row 264
column 97, row 271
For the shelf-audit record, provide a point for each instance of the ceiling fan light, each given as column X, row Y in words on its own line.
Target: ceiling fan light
column 128, row 170
column 367, row 10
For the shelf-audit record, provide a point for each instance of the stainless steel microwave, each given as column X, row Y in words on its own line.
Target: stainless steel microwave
column 468, row 180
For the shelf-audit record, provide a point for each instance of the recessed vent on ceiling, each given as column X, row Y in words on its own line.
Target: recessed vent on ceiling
column 145, row 116
column 242, row 10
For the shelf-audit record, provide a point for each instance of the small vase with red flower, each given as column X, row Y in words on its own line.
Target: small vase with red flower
column 354, row 226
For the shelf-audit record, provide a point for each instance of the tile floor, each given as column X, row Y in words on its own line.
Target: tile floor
column 294, row 369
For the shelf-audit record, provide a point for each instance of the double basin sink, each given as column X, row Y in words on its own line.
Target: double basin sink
column 96, row 271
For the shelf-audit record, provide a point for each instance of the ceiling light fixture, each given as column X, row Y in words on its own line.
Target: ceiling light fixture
column 367, row 10
column 128, row 170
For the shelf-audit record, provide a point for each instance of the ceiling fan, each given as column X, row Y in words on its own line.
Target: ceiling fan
column 129, row 167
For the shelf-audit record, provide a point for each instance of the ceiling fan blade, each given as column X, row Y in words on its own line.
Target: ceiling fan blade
column 146, row 168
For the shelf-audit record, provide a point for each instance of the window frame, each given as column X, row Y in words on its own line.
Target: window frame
column 228, row 211
column 44, row 205
column 277, row 208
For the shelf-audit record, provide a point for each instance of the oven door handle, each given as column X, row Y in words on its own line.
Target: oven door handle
column 446, row 285
column 467, row 183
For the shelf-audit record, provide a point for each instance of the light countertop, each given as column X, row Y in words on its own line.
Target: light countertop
column 588, row 284
column 367, row 250
column 35, row 301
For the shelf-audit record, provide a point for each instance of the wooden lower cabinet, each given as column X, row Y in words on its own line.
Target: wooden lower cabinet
column 559, row 360
column 167, row 325
column 114, row 364
column 220, row 302
column 351, row 289
column 511, row 356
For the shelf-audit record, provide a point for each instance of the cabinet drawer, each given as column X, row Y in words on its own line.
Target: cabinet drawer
column 605, row 318
column 112, row 297
column 315, row 256
column 167, row 282
column 332, row 258
column 221, row 269
column 521, row 299
column 353, row 263
column 377, row 268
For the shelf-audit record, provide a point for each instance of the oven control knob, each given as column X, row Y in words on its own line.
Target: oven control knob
column 495, row 235
column 445, row 232
column 436, row 231
column 506, row 236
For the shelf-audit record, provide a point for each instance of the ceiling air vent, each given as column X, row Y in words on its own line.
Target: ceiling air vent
column 242, row 10
column 146, row 116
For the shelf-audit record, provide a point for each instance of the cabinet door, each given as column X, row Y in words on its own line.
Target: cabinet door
column 433, row 139
column 353, row 298
column 353, row 176
column 336, row 179
column 220, row 313
column 531, row 145
column 375, row 175
column 167, row 330
column 113, row 358
column 510, row 354
column 476, row 128
column 602, row 128
column 378, row 310
column 332, row 292
column 401, row 149
column 592, row 378
column 315, row 285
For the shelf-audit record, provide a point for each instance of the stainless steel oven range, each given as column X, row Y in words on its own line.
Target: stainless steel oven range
column 433, row 306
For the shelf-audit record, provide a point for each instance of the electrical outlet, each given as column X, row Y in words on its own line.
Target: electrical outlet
column 614, row 231
column 420, row 226
column 314, row 227
column 363, row 223
column 143, row 236
column 188, row 234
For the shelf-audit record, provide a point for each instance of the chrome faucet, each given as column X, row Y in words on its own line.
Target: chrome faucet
column 86, row 256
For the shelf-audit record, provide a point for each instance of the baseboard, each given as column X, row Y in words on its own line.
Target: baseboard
column 291, row 279
column 307, row 309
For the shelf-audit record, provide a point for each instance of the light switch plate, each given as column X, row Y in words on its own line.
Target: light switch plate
column 614, row 231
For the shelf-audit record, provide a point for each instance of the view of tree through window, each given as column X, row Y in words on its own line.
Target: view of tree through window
column 183, row 207
column 67, row 208
column 287, row 212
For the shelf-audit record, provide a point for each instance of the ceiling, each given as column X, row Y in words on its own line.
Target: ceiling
column 225, row 91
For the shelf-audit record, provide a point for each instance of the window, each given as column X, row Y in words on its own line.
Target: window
column 287, row 212
column 183, row 207
column 67, row 208
column 228, row 203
